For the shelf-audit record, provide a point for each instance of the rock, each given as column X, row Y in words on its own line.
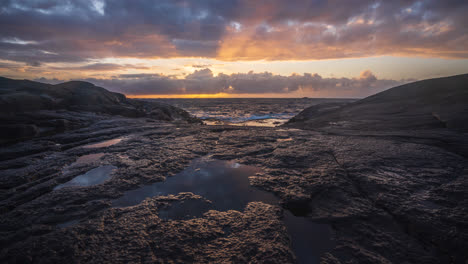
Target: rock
column 433, row 103
column 26, row 104
column 396, row 196
column 18, row 131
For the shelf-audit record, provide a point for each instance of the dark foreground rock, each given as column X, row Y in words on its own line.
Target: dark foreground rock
column 139, row 235
column 396, row 196
column 386, row 200
column 40, row 224
column 31, row 109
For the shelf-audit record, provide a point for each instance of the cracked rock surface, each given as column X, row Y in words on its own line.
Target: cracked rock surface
column 392, row 190
column 387, row 199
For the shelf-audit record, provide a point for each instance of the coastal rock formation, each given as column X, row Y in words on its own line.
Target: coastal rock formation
column 389, row 196
column 140, row 235
column 427, row 104
column 31, row 108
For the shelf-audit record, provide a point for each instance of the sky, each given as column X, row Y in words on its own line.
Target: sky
column 234, row 48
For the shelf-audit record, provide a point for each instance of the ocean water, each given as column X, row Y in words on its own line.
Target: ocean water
column 246, row 111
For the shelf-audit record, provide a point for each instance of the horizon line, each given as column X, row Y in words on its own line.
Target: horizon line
column 222, row 97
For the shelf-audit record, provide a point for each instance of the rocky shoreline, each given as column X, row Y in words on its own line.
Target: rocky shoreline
column 389, row 196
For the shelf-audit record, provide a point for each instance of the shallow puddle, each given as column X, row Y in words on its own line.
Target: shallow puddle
column 95, row 176
column 284, row 139
column 103, row 144
column 271, row 122
column 89, row 158
column 226, row 184
column 288, row 129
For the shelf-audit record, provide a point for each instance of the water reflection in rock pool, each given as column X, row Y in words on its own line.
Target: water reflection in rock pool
column 226, row 184
column 185, row 209
column 88, row 158
column 103, row 144
column 95, row 176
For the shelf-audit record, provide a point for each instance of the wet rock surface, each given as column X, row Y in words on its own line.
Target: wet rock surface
column 389, row 196
column 139, row 234
column 386, row 199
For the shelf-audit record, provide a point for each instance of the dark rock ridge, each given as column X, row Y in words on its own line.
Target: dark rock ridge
column 32, row 108
column 433, row 111
column 432, row 103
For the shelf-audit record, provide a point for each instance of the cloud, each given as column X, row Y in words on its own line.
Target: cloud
column 34, row 63
column 79, row 31
column 328, row 29
column 46, row 80
column 204, row 74
column 204, row 82
column 101, row 67
column 367, row 75
column 138, row 75
column 201, row 65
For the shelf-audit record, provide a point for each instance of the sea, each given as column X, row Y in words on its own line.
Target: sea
column 267, row 112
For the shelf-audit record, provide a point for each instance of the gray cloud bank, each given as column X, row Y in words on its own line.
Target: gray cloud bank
column 204, row 82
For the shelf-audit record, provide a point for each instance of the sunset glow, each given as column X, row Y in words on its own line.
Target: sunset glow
column 153, row 96
column 160, row 49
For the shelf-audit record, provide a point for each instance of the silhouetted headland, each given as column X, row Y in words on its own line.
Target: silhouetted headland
column 427, row 104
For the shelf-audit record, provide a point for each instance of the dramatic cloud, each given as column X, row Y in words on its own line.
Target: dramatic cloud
column 182, row 47
column 43, row 31
column 204, row 82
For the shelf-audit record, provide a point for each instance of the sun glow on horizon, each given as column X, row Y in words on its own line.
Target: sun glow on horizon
column 183, row 96
column 297, row 94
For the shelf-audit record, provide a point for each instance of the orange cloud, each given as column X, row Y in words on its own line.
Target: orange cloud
column 65, row 32
column 358, row 39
